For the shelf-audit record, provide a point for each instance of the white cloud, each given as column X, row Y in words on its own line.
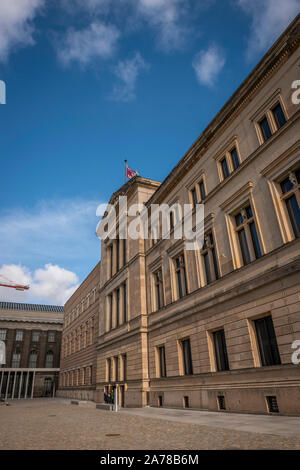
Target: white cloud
column 54, row 231
column 269, row 20
column 208, row 64
column 97, row 41
column 51, row 284
column 167, row 18
column 127, row 72
column 16, row 24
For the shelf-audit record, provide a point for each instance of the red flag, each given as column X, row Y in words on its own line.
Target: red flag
column 130, row 173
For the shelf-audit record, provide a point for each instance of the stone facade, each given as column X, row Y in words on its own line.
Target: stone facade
column 78, row 348
column 213, row 328
column 32, row 337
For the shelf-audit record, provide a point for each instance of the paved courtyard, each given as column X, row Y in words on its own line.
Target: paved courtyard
column 56, row 424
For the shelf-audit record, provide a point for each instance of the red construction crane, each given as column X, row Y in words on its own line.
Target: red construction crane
column 9, row 283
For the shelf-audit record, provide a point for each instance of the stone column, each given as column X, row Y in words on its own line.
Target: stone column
column 14, row 385
column 20, row 385
column 7, row 385
column 1, row 383
column 32, row 388
column 26, row 387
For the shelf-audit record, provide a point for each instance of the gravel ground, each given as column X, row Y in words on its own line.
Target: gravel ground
column 54, row 425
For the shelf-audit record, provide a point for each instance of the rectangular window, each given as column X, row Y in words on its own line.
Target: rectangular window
column 159, row 294
column 108, row 368
column 118, row 252
column 220, row 350
column 202, row 190
column 235, row 158
column 171, row 220
column 3, row 335
column 116, row 368
column 124, row 251
column 16, row 358
column 162, row 361
column 124, row 360
column 111, row 258
column 209, row 257
column 221, row 402
column 35, row 336
column 125, row 302
column 272, row 404
column 110, row 312
column 224, row 167
column 279, row 116
column 19, row 335
column 247, row 235
column 194, row 197
column 51, row 336
column 244, row 246
column 186, row 403
column 180, row 276
column 267, row 342
column 290, row 197
column 187, row 357
column 118, row 307
column 265, row 129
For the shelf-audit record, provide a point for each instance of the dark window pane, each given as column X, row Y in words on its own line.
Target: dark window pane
column 110, row 312
column 118, row 306
column 162, row 361
column 225, row 169
column 207, row 267
column 215, row 263
column 294, row 214
column 279, row 116
column 244, row 246
column 124, row 251
column 111, row 260
column 125, row 301
column 220, row 350
column 235, row 158
column 179, row 285
column 202, row 190
column 124, row 367
column 286, row 185
column 249, row 212
column 267, row 341
column 265, row 129
column 187, row 357
column 238, row 219
column 109, row 369
column 194, row 197
column 255, row 240
column 171, row 220
column 118, row 252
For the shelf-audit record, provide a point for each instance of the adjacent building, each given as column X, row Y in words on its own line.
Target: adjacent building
column 32, row 337
column 78, row 347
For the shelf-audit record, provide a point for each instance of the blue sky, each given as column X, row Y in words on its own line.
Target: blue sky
column 91, row 82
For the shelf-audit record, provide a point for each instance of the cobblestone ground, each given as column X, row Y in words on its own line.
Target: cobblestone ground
column 50, row 424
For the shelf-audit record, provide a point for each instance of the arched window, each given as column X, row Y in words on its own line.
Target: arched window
column 16, row 358
column 32, row 358
column 49, row 359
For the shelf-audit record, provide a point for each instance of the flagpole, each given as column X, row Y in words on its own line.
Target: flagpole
column 125, row 171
